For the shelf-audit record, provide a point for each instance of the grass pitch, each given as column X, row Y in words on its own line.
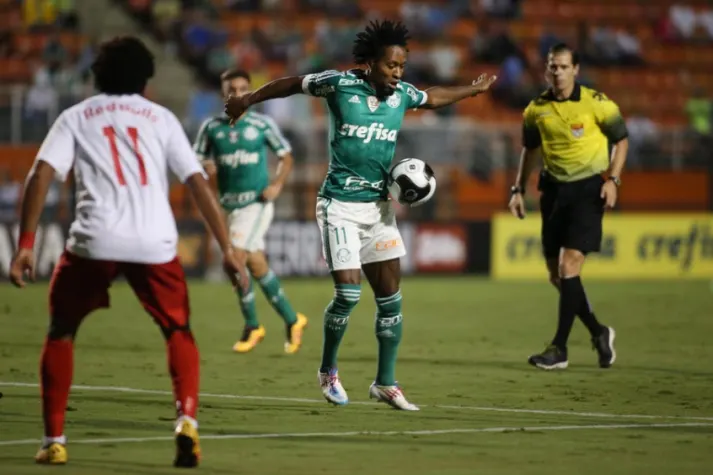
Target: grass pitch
column 463, row 359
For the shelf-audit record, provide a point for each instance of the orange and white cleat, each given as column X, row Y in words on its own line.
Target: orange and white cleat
column 295, row 332
column 188, row 450
column 54, row 454
column 250, row 339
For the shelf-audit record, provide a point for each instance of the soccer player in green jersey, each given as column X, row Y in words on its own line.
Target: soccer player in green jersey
column 357, row 221
column 237, row 153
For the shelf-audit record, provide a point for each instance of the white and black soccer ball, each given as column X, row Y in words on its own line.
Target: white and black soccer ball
column 411, row 182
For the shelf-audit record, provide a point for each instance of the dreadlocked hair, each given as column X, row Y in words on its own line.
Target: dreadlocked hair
column 369, row 45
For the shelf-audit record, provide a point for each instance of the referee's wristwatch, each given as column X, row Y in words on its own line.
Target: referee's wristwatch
column 515, row 189
column 616, row 180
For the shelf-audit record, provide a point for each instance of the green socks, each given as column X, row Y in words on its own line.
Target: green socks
column 247, row 305
column 336, row 317
column 272, row 289
column 388, row 334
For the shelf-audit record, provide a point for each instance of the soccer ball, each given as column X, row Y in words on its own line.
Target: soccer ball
column 411, row 182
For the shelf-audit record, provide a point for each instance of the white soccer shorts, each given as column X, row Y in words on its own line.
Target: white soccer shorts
column 248, row 226
column 354, row 234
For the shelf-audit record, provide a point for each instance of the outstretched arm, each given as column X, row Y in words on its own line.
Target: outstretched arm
column 441, row 96
column 235, row 106
column 283, row 87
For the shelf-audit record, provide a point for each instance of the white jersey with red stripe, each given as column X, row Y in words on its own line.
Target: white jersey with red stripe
column 121, row 149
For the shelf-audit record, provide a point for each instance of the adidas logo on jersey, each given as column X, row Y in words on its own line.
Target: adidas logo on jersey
column 375, row 131
column 355, row 100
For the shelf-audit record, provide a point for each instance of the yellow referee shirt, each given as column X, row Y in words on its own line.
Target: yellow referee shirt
column 573, row 133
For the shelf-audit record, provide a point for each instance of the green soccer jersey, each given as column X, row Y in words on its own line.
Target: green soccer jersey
column 362, row 133
column 240, row 155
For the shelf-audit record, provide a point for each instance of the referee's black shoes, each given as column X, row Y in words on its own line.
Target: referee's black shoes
column 604, row 344
column 552, row 358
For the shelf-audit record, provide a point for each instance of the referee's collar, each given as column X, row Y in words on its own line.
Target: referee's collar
column 576, row 95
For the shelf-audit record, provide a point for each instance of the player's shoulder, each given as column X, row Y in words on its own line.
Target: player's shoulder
column 211, row 123
column 259, row 120
column 351, row 77
column 406, row 87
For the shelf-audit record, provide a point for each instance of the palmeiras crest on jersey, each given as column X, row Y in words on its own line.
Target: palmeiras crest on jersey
column 394, row 101
column 250, row 133
column 233, row 136
column 373, row 103
column 577, row 130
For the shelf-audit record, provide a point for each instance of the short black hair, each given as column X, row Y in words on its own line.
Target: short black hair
column 123, row 65
column 377, row 36
column 565, row 48
column 235, row 73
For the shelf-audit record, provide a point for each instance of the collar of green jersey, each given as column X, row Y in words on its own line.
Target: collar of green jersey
column 576, row 95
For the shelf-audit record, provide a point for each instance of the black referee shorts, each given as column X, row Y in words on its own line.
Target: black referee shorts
column 572, row 214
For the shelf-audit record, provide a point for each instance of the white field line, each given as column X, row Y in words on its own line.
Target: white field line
column 296, row 435
column 322, row 401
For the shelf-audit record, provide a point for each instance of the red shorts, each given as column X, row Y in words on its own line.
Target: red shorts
column 80, row 285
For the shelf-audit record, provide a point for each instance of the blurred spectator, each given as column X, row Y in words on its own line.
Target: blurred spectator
column 683, row 18
column 39, row 13
column 629, row 47
column 700, row 112
column 605, row 47
column 54, row 54
column 643, row 139
column 200, row 35
column 86, row 58
column 7, row 46
column 665, row 30
column 166, row 14
column 493, row 44
column 66, row 14
column 243, row 5
column 42, row 96
column 446, row 61
column 205, row 102
column 547, row 41
column 706, row 21
column 500, row 8
column 218, row 60
column 9, row 196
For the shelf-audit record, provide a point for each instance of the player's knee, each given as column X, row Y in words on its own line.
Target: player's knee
column 257, row 265
column 346, row 297
column 570, row 263
column 388, row 306
column 241, row 254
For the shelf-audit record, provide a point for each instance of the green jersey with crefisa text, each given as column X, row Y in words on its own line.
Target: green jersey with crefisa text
column 362, row 134
column 240, row 155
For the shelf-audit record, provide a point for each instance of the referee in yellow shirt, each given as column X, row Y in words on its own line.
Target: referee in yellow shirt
column 569, row 127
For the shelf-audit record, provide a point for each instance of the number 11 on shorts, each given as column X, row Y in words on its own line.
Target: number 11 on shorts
column 344, row 235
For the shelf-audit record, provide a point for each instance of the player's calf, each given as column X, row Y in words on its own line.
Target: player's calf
column 253, row 332
column 389, row 323
column 336, row 318
column 295, row 323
